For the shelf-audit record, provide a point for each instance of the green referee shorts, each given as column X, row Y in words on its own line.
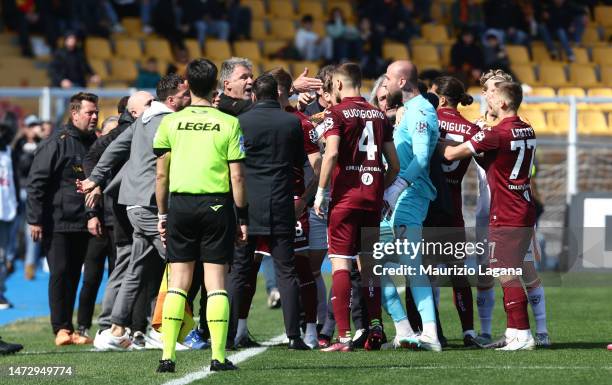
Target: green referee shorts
column 201, row 228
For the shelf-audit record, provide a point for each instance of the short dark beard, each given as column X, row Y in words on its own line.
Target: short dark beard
column 395, row 99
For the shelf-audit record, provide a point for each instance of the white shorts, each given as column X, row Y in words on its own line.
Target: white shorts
column 317, row 237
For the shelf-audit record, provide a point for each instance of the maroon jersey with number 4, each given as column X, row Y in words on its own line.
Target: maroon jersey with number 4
column 455, row 127
column 508, row 153
column 358, row 179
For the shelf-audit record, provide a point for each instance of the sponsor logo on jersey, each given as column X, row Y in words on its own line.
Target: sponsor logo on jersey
column 367, row 179
column 421, row 127
column 191, row 126
column 478, row 137
column 216, row 208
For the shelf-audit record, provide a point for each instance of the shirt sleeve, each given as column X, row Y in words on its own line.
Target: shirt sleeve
column 421, row 141
column 235, row 148
column 161, row 142
column 310, row 138
column 332, row 124
column 485, row 140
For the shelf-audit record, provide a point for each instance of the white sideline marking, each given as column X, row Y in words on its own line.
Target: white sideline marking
column 235, row 358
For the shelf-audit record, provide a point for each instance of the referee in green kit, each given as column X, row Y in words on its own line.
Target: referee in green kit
column 200, row 152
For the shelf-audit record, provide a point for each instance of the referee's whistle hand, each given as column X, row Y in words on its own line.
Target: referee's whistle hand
column 242, row 235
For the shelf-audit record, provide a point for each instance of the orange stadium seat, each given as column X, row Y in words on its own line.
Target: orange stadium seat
column 193, row 47
column 258, row 11
column 217, row 50
column 583, row 75
column 553, row 74
column 602, row 55
column 282, row 29
column 313, row 8
column 123, row 69
column 395, row 51
column 282, row 9
column 591, row 35
column 98, row 48
column 158, row 48
column 132, row 26
column 128, row 49
column 582, row 56
column 249, row 49
column 518, row 54
column 540, row 53
column 524, row 73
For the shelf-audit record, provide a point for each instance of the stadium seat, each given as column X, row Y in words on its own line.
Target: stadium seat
column 548, row 92
column 536, row 119
column 471, row 112
column 313, row 8
column 319, row 28
column 558, row 122
column 592, row 122
column 298, row 67
column 132, row 26
column 123, row 70
column 603, row 15
column 582, row 56
column 445, row 49
column 602, row 55
column 282, row 29
column 128, row 49
column 158, row 48
column 98, row 48
column 518, row 54
column 259, row 30
column 553, row 75
column 395, row 51
column 571, row 91
column 600, row 92
column 100, row 68
column 217, row 50
column 268, row 65
column 258, row 11
column 426, row 54
column 540, row 53
column 606, row 75
column 591, row 35
column 249, row 49
column 282, row 9
column 583, row 75
column 435, row 33
column 525, row 74
column 193, row 47
column 272, row 47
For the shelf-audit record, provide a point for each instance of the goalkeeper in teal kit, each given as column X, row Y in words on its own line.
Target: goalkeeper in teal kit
column 407, row 201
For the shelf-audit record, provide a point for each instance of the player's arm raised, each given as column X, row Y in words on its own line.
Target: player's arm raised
column 330, row 158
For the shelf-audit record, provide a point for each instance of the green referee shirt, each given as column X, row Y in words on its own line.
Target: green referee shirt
column 202, row 141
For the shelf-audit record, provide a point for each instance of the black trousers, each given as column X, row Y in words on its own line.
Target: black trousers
column 98, row 249
column 65, row 255
column 281, row 249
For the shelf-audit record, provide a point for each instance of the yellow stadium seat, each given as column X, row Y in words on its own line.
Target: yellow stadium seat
column 591, row 35
column 606, row 75
column 518, row 54
column 100, row 68
column 193, row 47
column 319, row 28
column 395, row 51
column 435, row 33
column 602, row 55
column 282, row 29
column 258, row 30
column 345, row 7
column 282, row 9
column 298, row 67
column 553, row 75
column 248, row 49
column 97, row 48
column 583, row 75
column 592, row 122
column 128, row 49
column 600, row 91
column 571, row 91
column 258, row 11
column 582, row 56
column 313, row 8
column 445, row 49
column 268, row 65
column 123, row 70
column 217, row 50
column 548, row 92
column 603, row 15
column 158, row 48
column 132, row 26
column 536, row 119
column 272, row 47
column 525, row 74
column 540, row 54
column 471, row 112
column 426, row 53
column 558, row 122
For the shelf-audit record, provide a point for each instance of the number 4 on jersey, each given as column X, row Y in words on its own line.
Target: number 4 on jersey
column 367, row 142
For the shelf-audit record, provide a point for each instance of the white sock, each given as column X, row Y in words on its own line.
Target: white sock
column 403, row 328
column 241, row 331
column 510, row 333
column 470, row 332
column 311, row 329
column 523, row 335
column 485, row 299
column 322, row 298
column 537, row 300
column 431, row 329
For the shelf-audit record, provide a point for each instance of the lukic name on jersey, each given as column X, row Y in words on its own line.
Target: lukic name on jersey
column 526, row 132
column 191, row 126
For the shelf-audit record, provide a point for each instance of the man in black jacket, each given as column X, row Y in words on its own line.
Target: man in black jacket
column 56, row 211
column 69, row 67
column 274, row 143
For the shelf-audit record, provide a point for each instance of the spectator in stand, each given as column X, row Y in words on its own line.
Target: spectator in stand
column 69, row 67
column 310, row 45
column 346, row 40
column 146, row 15
column 165, row 17
column 33, row 15
column 371, row 35
column 148, row 76
column 468, row 14
column 8, row 204
column 392, row 18
column 506, row 18
column 561, row 19
column 24, row 150
column 239, row 18
column 466, row 57
column 94, row 17
column 494, row 53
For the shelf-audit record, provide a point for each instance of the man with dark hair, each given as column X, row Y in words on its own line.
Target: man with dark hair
column 63, row 227
column 137, row 192
column 270, row 133
column 196, row 214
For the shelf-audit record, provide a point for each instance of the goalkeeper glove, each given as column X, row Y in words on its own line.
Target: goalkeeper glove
column 391, row 195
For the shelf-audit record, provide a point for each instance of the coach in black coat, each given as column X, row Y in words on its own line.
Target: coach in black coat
column 273, row 142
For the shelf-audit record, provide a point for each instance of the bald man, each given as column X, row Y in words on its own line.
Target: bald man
column 138, row 103
column 407, row 201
